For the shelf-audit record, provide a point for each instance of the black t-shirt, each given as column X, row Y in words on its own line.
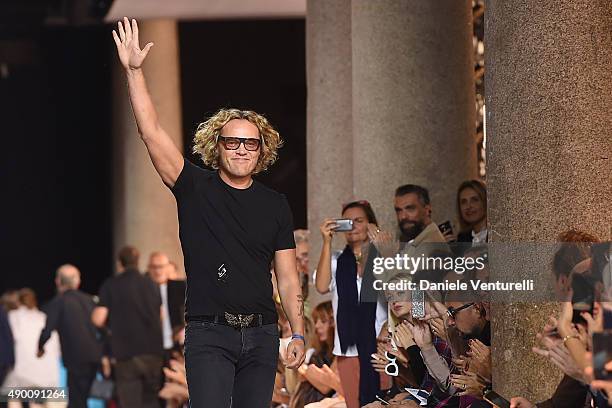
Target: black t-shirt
column 229, row 237
column 134, row 318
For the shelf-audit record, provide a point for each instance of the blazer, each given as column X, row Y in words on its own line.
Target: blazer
column 176, row 303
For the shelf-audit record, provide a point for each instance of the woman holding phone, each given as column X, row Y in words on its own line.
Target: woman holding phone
column 357, row 322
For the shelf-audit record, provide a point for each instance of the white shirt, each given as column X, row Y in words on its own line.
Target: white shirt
column 166, row 326
column 31, row 371
column 381, row 310
column 479, row 237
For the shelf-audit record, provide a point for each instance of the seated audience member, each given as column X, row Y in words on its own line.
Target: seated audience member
column 565, row 342
column 408, row 365
column 574, row 248
column 317, row 376
column 175, row 390
column 457, row 321
column 357, row 320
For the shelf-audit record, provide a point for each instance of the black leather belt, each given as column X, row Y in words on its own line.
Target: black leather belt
column 235, row 320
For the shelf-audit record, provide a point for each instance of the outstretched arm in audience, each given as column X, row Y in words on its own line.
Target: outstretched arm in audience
column 53, row 314
column 324, row 273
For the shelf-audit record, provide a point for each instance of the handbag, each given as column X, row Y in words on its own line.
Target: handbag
column 102, row 388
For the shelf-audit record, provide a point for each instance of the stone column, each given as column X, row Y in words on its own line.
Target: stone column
column 413, row 101
column 329, row 123
column 390, row 102
column 145, row 210
column 549, row 115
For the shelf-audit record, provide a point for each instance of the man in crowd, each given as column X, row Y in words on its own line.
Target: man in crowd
column 172, row 294
column 130, row 304
column 419, row 235
column 69, row 314
column 231, row 228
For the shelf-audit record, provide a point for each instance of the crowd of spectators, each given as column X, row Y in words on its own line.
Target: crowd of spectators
column 365, row 348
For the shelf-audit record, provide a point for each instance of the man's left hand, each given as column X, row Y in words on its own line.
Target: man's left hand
column 295, row 354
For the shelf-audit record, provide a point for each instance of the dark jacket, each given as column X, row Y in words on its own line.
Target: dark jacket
column 570, row 393
column 70, row 314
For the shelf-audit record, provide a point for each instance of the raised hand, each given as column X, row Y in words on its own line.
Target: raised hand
column 327, row 229
column 438, row 328
column 468, row 383
column 481, row 356
column 421, row 334
column 560, row 357
column 128, row 47
column 378, row 362
column 403, row 336
column 383, row 241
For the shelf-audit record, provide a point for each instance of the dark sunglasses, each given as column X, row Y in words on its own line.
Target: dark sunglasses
column 452, row 312
column 233, row 143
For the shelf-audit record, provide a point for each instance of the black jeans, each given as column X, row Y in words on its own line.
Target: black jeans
column 226, row 364
column 138, row 380
column 80, row 377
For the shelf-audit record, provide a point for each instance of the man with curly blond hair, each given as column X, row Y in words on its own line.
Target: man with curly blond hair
column 231, row 228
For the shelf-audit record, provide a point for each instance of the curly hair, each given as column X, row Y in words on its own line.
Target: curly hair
column 207, row 133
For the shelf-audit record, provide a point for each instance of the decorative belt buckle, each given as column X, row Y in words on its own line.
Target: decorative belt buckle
column 239, row 321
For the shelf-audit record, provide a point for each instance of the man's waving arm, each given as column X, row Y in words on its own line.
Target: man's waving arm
column 292, row 299
column 166, row 157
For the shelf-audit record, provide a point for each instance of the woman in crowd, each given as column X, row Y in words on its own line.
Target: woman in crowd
column 472, row 211
column 315, row 380
column 397, row 342
column 357, row 322
column 26, row 323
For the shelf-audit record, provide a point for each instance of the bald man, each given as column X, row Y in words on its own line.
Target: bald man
column 69, row 313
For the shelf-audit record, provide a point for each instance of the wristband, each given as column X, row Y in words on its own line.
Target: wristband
column 299, row 337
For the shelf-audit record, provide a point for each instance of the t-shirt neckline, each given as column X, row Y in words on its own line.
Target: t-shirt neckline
column 223, row 183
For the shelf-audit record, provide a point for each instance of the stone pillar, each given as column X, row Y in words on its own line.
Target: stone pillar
column 145, row 210
column 329, row 119
column 390, row 102
column 413, row 101
column 549, row 105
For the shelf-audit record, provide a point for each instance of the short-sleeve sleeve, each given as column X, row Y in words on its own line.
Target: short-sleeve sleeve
column 105, row 295
column 184, row 183
column 284, row 238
